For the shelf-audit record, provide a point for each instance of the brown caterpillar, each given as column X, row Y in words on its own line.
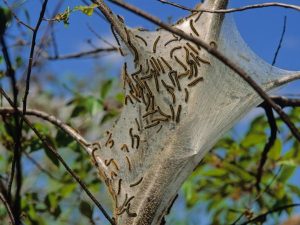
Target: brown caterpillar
column 193, row 28
column 131, row 135
column 122, row 206
column 132, row 95
column 94, row 157
column 129, row 200
column 119, row 186
column 181, row 63
column 159, row 129
column 184, row 74
column 177, row 82
column 109, row 138
column 156, row 64
column 130, row 214
column 115, row 164
column 192, row 48
column 167, row 64
column 148, row 67
column 125, row 148
column 194, row 82
column 187, row 53
column 149, row 101
column 136, row 183
column 171, row 77
column 172, row 112
column 178, row 114
column 147, row 77
column 195, row 59
column 135, row 51
column 161, row 66
column 186, row 98
column 198, row 17
column 138, row 71
column 138, row 125
column 126, row 99
column 162, row 113
column 156, row 82
column 149, row 113
column 155, row 44
column 173, row 50
column 137, row 137
column 170, row 91
column 107, row 162
column 111, row 143
column 152, row 125
column 113, row 175
column 203, row 60
column 142, row 39
column 153, row 66
column 168, row 42
column 129, row 163
column 163, row 119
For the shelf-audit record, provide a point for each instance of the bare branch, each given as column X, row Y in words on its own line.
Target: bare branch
column 49, row 147
column 255, row 6
column 220, row 56
column 8, row 209
column 82, row 54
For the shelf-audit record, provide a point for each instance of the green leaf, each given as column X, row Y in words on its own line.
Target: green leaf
column 286, row 173
column 64, row 16
column 86, row 209
column 105, row 88
column 19, row 61
column 275, row 151
column 52, row 157
column 214, row 172
column 87, row 10
column 253, row 139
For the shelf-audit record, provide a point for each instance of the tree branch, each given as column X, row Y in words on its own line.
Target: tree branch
column 220, row 56
column 268, row 146
column 82, row 54
column 118, row 26
column 255, row 6
column 262, row 217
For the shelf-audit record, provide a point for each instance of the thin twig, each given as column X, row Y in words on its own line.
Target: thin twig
column 280, row 42
column 17, row 18
column 48, row 146
column 8, row 209
column 82, row 54
column 255, row 6
column 99, row 37
column 220, row 56
column 34, row 162
column 31, row 55
column 17, row 134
